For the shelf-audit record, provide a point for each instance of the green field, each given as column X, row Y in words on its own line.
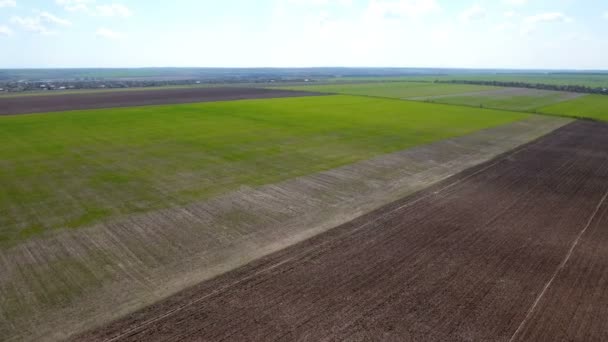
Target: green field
column 514, row 99
column 581, row 79
column 68, row 170
column 398, row 90
column 590, row 80
column 517, row 100
column 590, row 106
column 593, row 81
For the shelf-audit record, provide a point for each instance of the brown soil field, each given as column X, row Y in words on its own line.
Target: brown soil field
column 58, row 103
column 510, row 250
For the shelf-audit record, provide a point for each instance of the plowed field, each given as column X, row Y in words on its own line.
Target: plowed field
column 57, row 103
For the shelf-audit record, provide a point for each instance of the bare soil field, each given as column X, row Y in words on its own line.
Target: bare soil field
column 57, row 103
column 510, row 250
column 574, row 305
column 56, row 285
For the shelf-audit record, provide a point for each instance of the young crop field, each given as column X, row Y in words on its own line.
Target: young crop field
column 593, row 81
column 513, row 99
column 590, row 106
column 72, row 169
column 398, row 90
column 516, row 99
column 581, row 79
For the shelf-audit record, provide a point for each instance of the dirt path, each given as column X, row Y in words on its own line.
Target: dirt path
column 57, row 103
column 510, row 250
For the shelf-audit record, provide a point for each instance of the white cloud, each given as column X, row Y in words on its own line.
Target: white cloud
column 5, row 31
column 114, row 10
column 52, row 19
column 515, row 2
column 605, row 15
column 39, row 24
column 531, row 23
column 401, row 8
column 577, row 37
column 31, row 24
column 108, row 34
column 8, row 3
column 75, row 5
column 548, row 17
column 88, row 6
column 472, row 13
column 307, row 8
column 320, row 2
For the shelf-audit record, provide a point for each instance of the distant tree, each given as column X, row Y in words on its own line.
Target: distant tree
column 542, row 86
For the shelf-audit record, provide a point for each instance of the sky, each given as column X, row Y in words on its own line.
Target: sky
column 515, row 34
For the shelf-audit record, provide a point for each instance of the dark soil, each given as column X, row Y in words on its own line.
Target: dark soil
column 482, row 256
column 57, row 103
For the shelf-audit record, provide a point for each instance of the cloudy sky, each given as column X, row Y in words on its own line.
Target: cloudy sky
column 297, row 33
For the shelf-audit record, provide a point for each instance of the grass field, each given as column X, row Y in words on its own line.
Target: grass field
column 590, row 106
column 588, row 80
column 398, row 90
column 69, row 170
column 593, row 81
column 508, row 99
column 514, row 99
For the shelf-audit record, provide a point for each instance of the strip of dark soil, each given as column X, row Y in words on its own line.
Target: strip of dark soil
column 57, row 103
column 465, row 260
column 575, row 307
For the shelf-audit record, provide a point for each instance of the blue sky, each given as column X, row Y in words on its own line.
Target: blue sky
column 300, row 33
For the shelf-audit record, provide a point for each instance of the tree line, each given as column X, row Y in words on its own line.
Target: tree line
column 543, row 86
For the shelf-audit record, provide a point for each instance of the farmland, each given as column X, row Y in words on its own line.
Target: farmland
column 470, row 258
column 506, row 98
column 598, row 80
column 513, row 99
column 109, row 211
column 590, row 106
column 592, row 80
column 75, row 168
column 397, row 90
column 110, row 90
column 128, row 98
column 227, row 171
